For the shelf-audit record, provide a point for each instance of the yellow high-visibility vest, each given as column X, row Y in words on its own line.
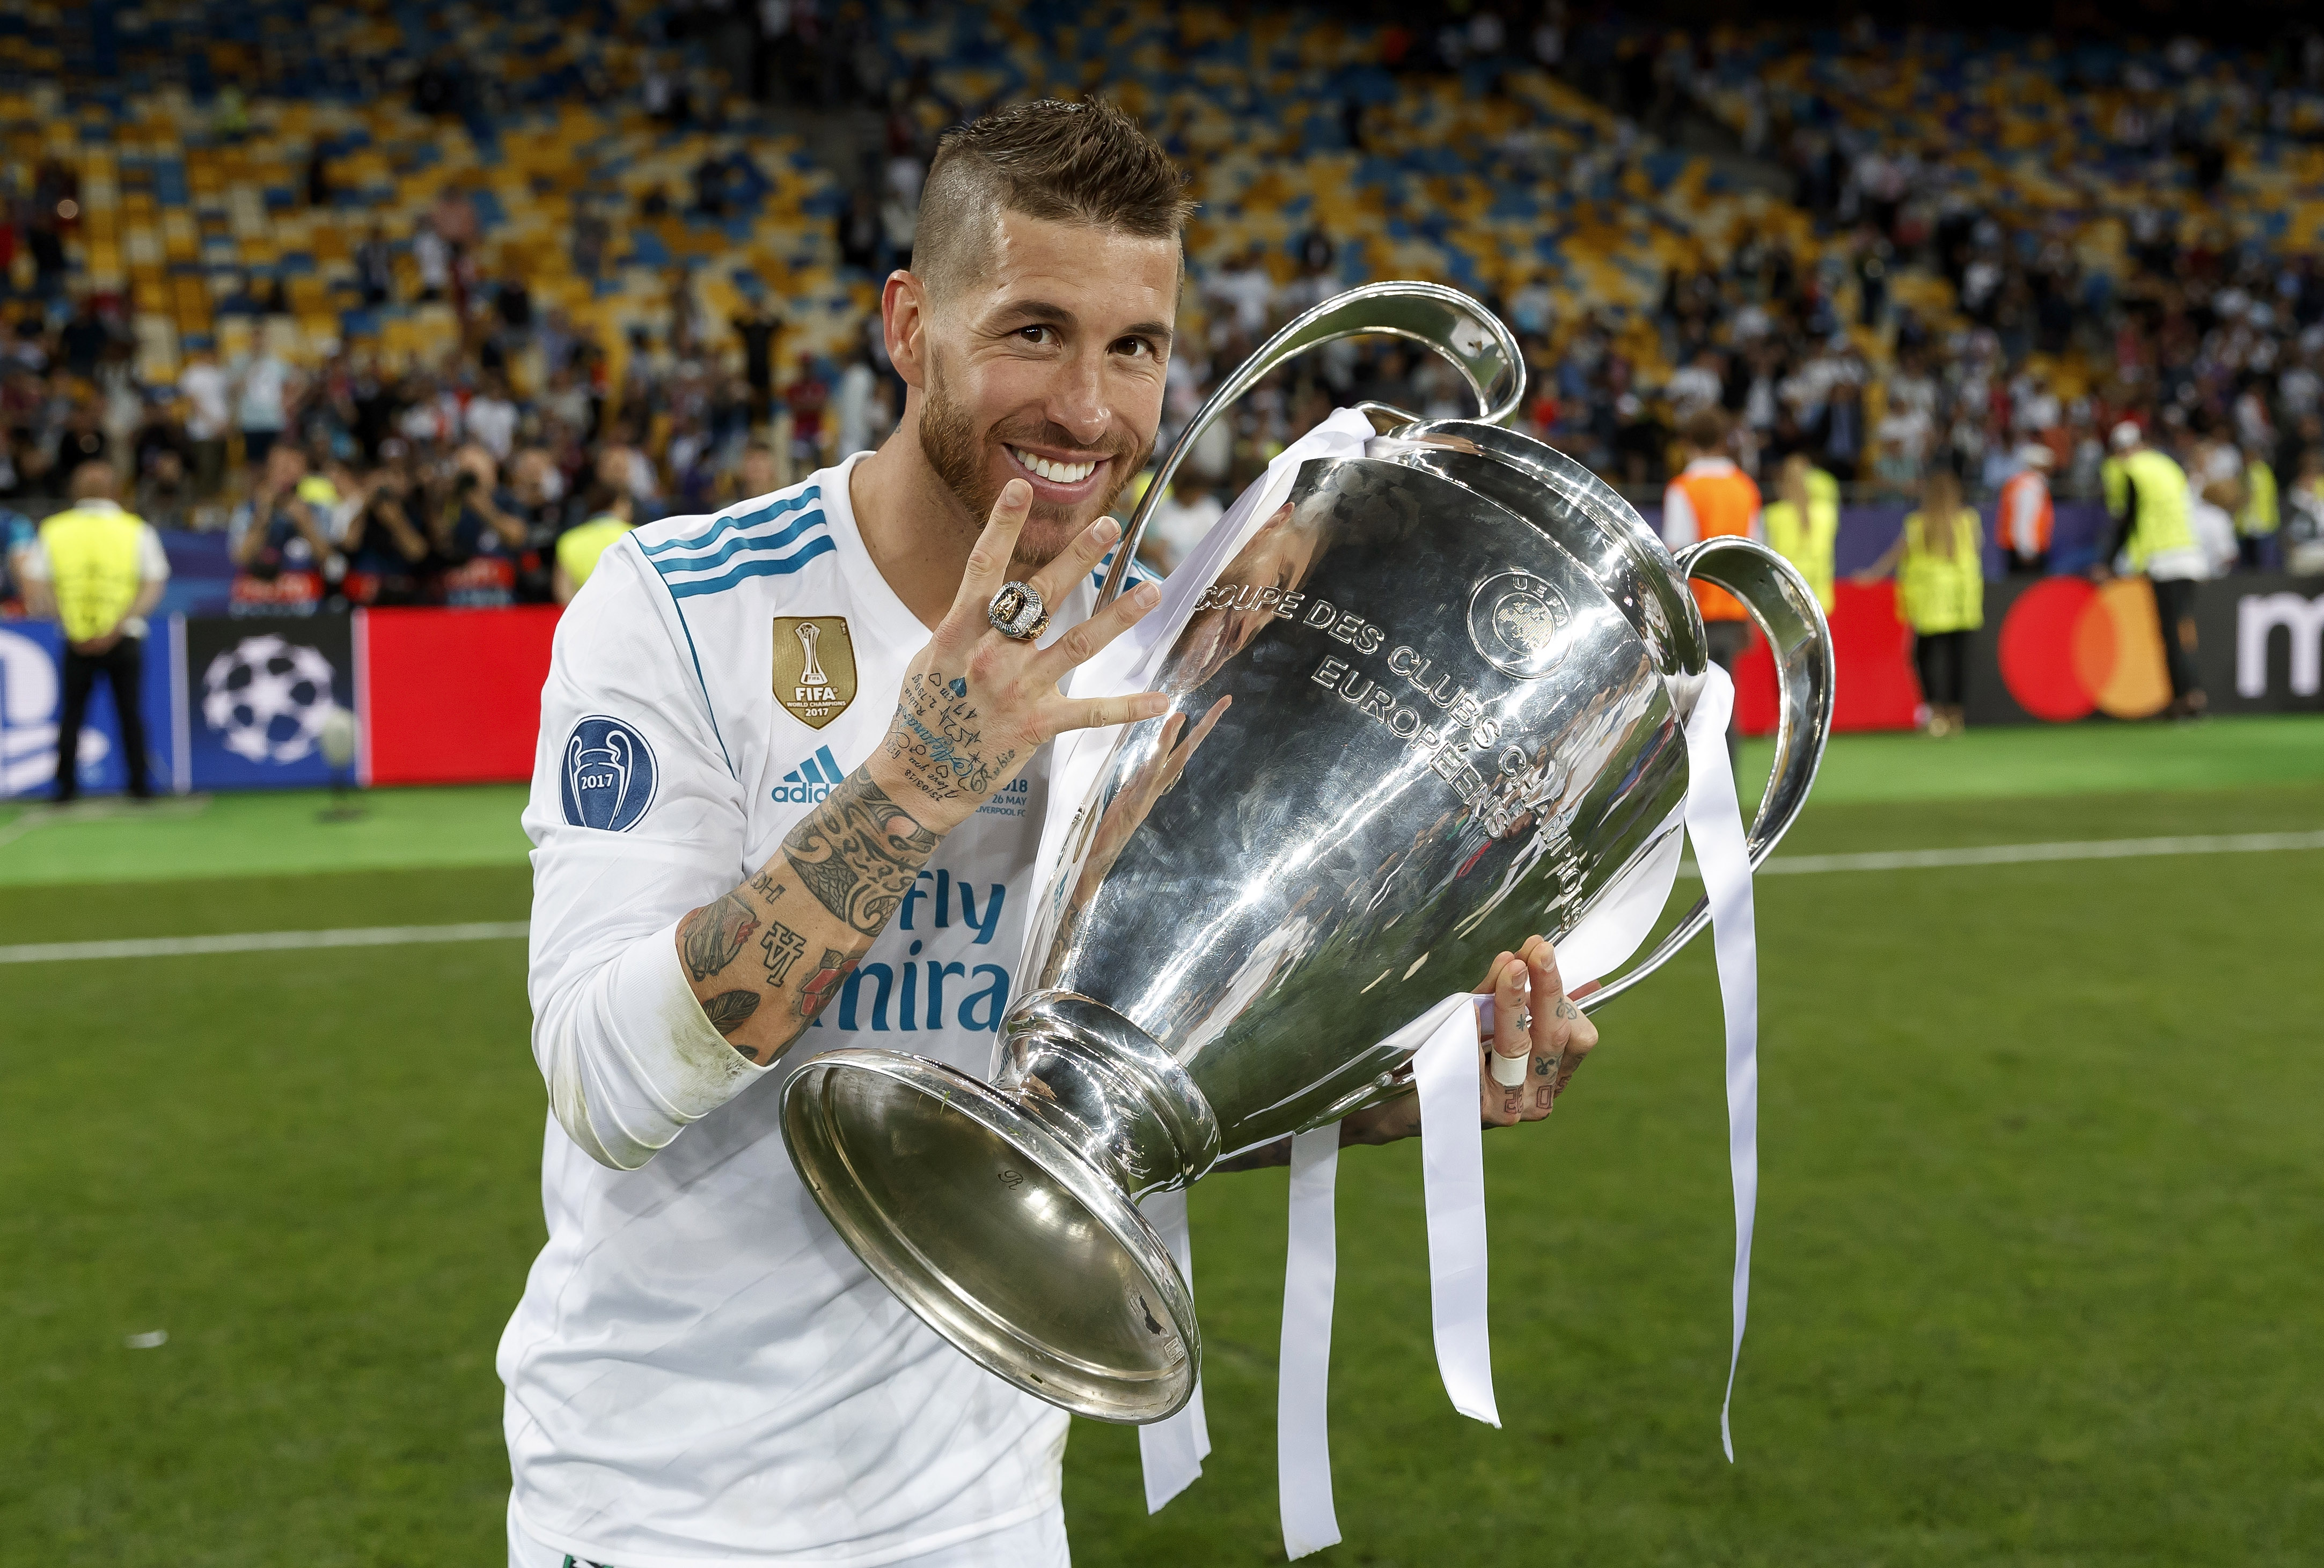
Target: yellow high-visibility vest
column 94, row 557
column 2159, row 488
column 1806, row 542
column 2261, row 512
column 580, row 548
column 1942, row 592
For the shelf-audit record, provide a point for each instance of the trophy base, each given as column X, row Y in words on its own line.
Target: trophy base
column 996, row 1232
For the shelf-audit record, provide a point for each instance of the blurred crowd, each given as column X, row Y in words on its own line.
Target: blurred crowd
column 351, row 482
column 1890, row 323
column 2218, row 356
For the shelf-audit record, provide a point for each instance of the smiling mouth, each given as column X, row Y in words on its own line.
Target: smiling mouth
column 1054, row 471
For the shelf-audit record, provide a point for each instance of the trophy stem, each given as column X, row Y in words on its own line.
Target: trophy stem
column 1107, row 1089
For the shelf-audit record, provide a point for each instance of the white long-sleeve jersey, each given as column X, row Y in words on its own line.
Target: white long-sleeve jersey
column 700, row 1372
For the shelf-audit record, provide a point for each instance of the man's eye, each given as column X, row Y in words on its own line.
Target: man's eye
column 1135, row 347
column 1036, row 334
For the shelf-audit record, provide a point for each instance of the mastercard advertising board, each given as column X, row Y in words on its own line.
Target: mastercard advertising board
column 2056, row 649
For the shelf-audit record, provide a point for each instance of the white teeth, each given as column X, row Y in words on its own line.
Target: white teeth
column 1055, row 473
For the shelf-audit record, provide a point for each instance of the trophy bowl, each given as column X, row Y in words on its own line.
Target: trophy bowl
column 1434, row 703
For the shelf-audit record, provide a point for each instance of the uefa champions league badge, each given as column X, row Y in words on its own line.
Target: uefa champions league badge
column 609, row 775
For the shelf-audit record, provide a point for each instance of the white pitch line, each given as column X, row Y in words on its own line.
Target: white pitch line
column 2027, row 854
column 379, row 936
column 1781, row 865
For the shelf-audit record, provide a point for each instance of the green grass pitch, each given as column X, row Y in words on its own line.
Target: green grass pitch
column 2040, row 1230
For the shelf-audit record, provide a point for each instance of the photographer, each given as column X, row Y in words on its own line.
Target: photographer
column 386, row 550
column 281, row 539
column 536, row 499
column 476, row 534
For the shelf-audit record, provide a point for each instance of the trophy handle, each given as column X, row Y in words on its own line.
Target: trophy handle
column 1786, row 612
column 1472, row 337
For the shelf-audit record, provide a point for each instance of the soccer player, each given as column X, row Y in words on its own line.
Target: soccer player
column 790, row 783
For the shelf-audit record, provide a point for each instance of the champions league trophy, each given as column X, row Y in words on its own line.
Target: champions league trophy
column 1433, row 703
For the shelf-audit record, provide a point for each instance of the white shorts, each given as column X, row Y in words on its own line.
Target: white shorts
column 1038, row 1541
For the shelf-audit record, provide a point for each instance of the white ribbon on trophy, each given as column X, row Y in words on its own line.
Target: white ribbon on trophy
column 1445, row 1043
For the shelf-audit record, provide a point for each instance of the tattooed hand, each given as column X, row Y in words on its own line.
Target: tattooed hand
column 975, row 703
column 1534, row 1018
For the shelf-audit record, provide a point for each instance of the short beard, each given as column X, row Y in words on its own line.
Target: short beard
column 950, row 442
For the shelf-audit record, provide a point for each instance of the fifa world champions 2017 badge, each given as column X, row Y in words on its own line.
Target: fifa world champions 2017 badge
column 608, row 777
column 815, row 667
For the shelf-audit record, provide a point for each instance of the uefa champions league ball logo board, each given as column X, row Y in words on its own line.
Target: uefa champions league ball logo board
column 268, row 699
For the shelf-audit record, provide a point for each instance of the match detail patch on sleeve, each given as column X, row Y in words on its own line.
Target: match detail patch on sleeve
column 609, row 774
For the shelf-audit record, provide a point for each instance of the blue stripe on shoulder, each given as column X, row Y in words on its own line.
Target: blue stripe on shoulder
column 820, row 545
column 781, row 538
column 708, row 707
column 806, row 497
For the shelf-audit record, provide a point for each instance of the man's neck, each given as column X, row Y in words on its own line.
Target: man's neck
column 916, row 529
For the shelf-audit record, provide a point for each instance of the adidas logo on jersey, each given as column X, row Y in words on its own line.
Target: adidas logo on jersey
column 811, row 780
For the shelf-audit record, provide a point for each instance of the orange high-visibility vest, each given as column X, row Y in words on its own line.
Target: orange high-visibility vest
column 1723, row 503
column 2022, row 494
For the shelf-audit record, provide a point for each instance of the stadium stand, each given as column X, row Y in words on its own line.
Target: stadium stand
column 611, row 244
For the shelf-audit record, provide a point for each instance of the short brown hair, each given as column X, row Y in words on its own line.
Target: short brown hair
column 1705, row 430
column 1085, row 163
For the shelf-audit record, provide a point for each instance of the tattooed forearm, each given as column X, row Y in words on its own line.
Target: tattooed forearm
column 729, row 1011
column 784, row 947
column 858, row 852
column 821, row 986
column 711, row 936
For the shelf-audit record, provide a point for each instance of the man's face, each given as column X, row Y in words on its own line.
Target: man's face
column 1049, row 367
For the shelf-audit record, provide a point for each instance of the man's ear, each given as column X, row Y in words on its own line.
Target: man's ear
column 904, row 322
